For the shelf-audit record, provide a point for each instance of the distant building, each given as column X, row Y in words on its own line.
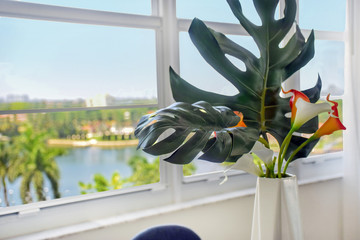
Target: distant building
column 17, row 98
column 100, row 100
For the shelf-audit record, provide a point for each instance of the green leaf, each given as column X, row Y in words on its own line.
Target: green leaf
column 259, row 86
column 192, row 125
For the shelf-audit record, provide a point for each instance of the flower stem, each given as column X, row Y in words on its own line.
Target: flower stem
column 295, row 152
column 284, row 146
column 264, row 141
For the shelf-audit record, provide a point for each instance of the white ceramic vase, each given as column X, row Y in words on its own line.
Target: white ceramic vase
column 276, row 210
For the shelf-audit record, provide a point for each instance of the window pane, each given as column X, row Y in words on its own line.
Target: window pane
column 217, row 10
column 197, row 167
column 124, row 6
column 80, row 152
column 54, row 65
column 326, row 15
column 329, row 63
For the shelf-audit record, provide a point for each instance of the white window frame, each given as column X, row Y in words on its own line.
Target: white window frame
column 173, row 188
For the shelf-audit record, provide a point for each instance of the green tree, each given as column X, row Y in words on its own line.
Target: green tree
column 7, row 167
column 101, row 184
column 37, row 163
column 144, row 172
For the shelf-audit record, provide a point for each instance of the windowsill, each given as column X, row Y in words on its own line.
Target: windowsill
column 304, row 179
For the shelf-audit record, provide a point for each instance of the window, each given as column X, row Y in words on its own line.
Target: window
column 331, row 17
column 72, row 94
column 329, row 59
column 126, row 6
column 77, row 76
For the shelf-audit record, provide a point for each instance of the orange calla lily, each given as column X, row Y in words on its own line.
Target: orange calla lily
column 332, row 124
column 241, row 122
column 295, row 97
column 334, row 110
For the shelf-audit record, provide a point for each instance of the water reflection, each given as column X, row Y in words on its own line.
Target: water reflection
column 80, row 164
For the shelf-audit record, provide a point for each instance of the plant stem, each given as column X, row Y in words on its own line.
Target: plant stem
column 285, row 144
column 264, row 141
column 295, row 152
column 260, row 167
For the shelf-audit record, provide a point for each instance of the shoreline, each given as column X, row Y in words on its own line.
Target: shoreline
column 91, row 142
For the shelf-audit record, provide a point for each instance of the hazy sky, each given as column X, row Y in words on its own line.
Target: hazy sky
column 68, row 61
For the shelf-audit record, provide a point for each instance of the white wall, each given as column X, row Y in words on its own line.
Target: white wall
column 321, row 205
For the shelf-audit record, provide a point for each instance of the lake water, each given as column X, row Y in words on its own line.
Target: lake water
column 80, row 164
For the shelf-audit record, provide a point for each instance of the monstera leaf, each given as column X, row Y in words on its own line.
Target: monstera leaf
column 192, row 125
column 258, row 88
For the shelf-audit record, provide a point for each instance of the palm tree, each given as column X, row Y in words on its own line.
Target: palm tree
column 5, row 166
column 10, row 166
column 38, row 163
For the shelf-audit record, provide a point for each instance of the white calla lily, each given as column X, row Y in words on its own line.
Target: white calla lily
column 306, row 111
column 264, row 153
column 246, row 163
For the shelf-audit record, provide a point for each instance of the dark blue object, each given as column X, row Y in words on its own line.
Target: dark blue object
column 167, row 232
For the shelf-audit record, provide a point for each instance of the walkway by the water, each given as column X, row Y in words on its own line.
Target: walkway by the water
column 92, row 142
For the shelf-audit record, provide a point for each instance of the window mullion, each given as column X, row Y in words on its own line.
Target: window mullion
column 167, row 41
column 75, row 15
column 326, row 35
column 225, row 28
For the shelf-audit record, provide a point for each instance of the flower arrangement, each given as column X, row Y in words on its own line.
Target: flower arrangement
column 235, row 128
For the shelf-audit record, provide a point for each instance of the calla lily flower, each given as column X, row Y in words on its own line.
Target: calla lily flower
column 295, row 97
column 247, row 164
column 306, row 111
column 264, row 153
column 334, row 110
column 332, row 124
column 241, row 122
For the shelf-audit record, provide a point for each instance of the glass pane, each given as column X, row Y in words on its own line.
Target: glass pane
column 55, row 65
column 198, row 72
column 70, row 153
column 329, row 63
column 124, row 6
column 215, row 10
column 197, row 167
column 325, row 15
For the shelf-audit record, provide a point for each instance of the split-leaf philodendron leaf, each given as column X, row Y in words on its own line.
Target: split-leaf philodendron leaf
column 192, row 125
column 258, row 98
